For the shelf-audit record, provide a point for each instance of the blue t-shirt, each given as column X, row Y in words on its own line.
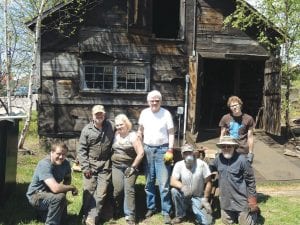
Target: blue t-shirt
column 44, row 170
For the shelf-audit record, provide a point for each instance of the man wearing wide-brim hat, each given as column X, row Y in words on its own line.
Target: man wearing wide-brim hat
column 237, row 184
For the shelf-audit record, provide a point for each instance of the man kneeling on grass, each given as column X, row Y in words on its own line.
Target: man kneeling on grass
column 50, row 183
column 191, row 184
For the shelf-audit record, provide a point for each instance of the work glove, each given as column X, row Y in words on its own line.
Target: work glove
column 129, row 171
column 250, row 157
column 168, row 156
column 205, row 204
column 186, row 191
column 252, row 203
column 74, row 191
column 87, row 174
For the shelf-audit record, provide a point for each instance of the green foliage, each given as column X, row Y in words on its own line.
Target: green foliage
column 244, row 18
column 33, row 128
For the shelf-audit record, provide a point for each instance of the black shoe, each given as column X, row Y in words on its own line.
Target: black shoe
column 167, row 219
column 149, row 213
column 177, row 220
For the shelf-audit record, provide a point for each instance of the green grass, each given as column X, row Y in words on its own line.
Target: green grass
column 283, row 210
column 275, row 210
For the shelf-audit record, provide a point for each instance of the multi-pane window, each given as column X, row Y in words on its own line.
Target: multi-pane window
column 115, row 77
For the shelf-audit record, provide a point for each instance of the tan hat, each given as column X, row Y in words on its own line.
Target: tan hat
column 227, row 140
column 98, row 108
column 187, row 148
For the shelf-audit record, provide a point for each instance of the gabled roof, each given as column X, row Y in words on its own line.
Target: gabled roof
column 32, row 23
column 263, row 18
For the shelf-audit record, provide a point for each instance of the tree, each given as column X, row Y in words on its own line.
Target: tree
column 66, row 24
column 36, row 47
column 282, row 15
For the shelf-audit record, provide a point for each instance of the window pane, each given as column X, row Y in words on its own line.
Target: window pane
column 89, row 69
column 96, row 76
column 103, row 77
column 131, row 78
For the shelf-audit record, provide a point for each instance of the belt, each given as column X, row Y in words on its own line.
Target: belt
column 158, row 146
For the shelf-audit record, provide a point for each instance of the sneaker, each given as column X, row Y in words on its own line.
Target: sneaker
column 177, row 220
column 90, row 221
column 167, row 219
column 149, row 213
column 130, row 220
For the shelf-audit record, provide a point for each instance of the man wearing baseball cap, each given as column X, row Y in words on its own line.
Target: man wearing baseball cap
column 237, row 184
column 94, row 153
column 191, row 186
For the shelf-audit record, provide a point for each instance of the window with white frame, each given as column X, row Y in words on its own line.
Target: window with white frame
column 120, row 77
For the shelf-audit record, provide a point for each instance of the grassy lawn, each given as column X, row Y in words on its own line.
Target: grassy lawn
column 276, row 209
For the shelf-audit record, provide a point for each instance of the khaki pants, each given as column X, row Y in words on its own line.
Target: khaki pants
column 94, row 193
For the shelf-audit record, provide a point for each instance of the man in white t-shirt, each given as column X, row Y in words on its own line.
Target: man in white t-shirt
column 191, row 184
column 156, row 128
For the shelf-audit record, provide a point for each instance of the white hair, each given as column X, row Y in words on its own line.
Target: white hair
column 152, row 94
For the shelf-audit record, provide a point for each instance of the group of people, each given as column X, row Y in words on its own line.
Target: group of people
column 112, row 153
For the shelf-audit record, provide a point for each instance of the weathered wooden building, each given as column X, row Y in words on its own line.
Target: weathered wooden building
column 112, row 52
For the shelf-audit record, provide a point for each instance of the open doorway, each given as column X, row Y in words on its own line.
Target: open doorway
column 166, row 18
column 223, row 78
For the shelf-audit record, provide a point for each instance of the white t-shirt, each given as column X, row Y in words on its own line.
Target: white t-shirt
column 194, row 178
column 156, row 126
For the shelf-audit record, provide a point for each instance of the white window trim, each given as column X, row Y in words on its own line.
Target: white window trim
column 83, row 87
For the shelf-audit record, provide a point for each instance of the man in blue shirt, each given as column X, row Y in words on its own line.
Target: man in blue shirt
column 237, row 184
column 50, row 183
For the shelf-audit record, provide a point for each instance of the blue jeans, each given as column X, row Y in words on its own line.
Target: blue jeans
column 124, row 185
column 54, row 204
column 181, row 204
column 155, row 167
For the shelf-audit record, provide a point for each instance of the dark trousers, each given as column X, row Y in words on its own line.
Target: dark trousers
column 124, row 187
column 54, row 204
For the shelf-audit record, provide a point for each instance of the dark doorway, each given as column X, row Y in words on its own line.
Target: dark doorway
column 224, row 78
column 166, row 18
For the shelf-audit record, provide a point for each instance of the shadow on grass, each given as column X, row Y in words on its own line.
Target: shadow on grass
column 262, row 198
column 16, row 209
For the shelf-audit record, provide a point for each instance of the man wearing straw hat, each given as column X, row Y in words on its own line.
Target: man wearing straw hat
column 237, row 184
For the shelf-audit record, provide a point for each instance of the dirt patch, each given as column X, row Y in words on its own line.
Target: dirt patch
column 280, row 190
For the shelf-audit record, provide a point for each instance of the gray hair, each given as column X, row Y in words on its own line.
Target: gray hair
column 154, row 93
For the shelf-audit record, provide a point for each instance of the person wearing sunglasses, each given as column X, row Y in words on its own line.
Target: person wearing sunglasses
column 238, row 197
column 239, row 126
column 156, row 128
